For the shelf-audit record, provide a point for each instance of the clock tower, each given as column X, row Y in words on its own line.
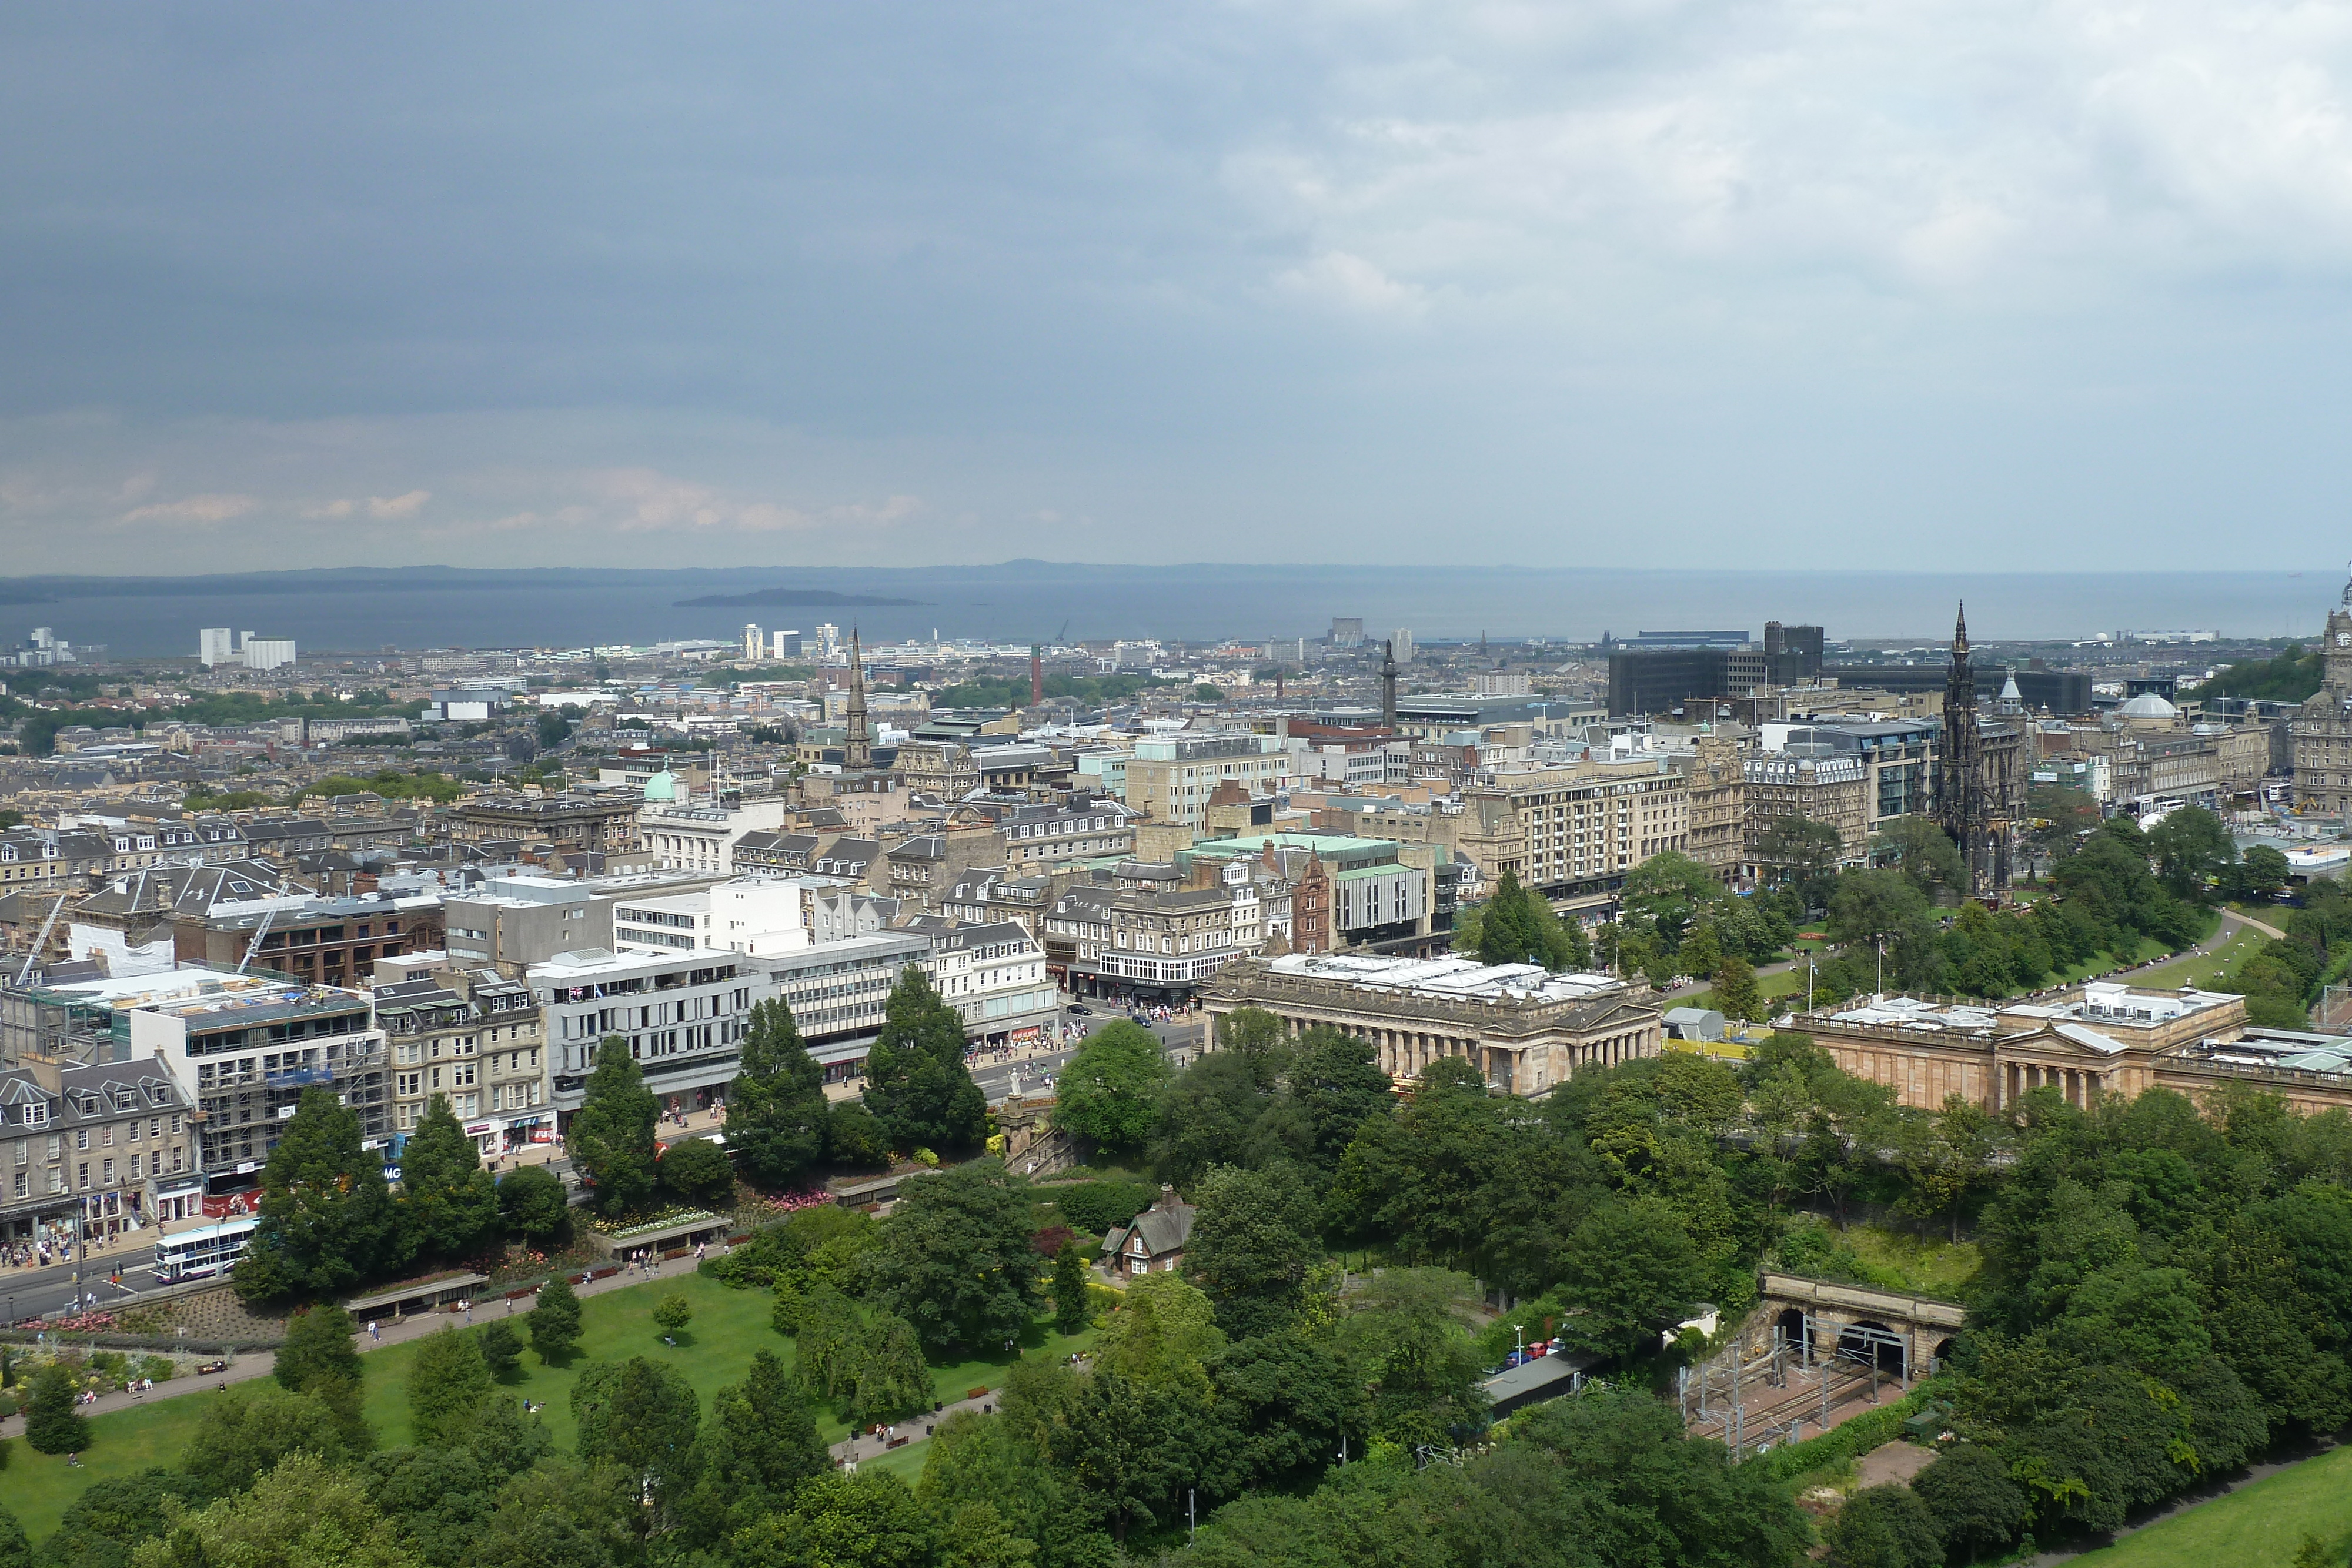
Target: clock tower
column 2335, row 653
column 2323, row 726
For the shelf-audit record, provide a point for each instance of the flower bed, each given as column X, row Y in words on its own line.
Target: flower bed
column 647, row 1224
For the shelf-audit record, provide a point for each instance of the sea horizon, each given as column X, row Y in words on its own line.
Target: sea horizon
column 366, row 610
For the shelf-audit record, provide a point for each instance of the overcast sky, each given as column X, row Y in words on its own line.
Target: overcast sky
column 1975, row 283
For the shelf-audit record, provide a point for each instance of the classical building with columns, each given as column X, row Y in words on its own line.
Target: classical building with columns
column 2085, row 1041
column 1526, row 1030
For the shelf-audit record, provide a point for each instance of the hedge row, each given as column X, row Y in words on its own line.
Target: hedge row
column 1848, row 1440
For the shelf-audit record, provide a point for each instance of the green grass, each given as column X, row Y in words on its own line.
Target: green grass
column 38, row 1488
column 1785, row 983
column 1928, row 1264
column 2257, row 1526
column 713, row 1351
column 2204, row 968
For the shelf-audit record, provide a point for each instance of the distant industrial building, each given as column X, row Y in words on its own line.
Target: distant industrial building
column 2060, row 692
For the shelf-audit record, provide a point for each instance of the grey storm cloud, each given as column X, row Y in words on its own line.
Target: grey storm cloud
column 1626, row 283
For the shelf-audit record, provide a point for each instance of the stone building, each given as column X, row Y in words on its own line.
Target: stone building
column 99, row 1146
column 1563, row 828
column 1525, row 1031
column 476, row 1037
column 2322, row 728
column 1826, row 790
column 2087, row 1042
column 1717, row 837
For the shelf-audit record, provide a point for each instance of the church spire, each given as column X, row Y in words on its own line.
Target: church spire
column 857, row 749
column 1960, row 685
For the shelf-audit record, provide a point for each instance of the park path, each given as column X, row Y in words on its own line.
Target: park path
column 251, row 1364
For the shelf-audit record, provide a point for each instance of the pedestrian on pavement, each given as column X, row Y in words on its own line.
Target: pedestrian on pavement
column 374, row 1333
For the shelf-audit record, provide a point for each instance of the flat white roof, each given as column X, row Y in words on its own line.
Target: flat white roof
column 1459, row 978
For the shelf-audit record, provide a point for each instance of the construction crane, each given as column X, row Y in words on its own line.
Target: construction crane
column 43, row 939
column 259, row 933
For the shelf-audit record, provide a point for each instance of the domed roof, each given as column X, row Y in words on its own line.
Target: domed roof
column 662, row 786
column 2147, row 705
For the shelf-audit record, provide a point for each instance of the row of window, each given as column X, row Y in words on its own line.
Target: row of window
column 21, row 1184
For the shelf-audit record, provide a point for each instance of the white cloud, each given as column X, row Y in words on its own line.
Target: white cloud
column 402, row 505
column 1955, row 144
column 1348, row 282
column 193, row 509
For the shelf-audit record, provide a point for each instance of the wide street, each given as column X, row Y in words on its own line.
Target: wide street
column 995, row 1074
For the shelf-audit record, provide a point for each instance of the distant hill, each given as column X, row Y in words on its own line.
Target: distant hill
column 801, row 596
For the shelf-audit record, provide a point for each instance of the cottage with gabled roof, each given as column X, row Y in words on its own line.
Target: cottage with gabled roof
column 1154, row 1244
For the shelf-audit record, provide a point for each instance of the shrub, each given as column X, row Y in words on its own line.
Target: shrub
column 1095, row 1206
column 501, row 1347
column 1974, row 1503
column 1850, row 1438
column 695, row 1170
column 52, row 1422
column 1885, row 1527
column 555, row 1320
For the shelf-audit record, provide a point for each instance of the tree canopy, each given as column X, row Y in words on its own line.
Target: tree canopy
column 612, row 1136
column 916, row 1083
column 776, row 1108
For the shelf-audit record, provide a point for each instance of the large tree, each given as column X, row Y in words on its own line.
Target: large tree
column 303, row 1512
column 611, row 1138
column 696, row 1171
column 246, row 1433
column 955, row 1258
column 1800, row 853
column 1336, row 1079
column 1110, row 1090
column 555, row 1320
column 1517, row 926
column 916, row 1085
column 446, row 1380
column 2193, row 851
column 1920, row 848
column 448, row 1204
column 532, row 1203
column 318, row 1348
column 1254, row 1238
column 641, row 1416
column 776, row 1110
column 327, row 1221
column 759, row 1448
column 52, row 1422
column 1630, row 1270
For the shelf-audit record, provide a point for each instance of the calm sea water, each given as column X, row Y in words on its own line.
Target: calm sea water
column 1029, row 601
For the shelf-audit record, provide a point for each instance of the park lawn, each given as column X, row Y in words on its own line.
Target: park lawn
column 38, row 1488
column 1928, row 1264
column 2204, row 968
column 2098, row 962
column 2257, row 1526
column 715, row 1350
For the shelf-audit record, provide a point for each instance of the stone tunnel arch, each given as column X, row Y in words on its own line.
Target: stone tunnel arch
column 1792, row 1329
column 1866, row 1343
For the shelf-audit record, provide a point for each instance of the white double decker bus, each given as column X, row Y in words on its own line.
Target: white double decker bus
column 204, row 1251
